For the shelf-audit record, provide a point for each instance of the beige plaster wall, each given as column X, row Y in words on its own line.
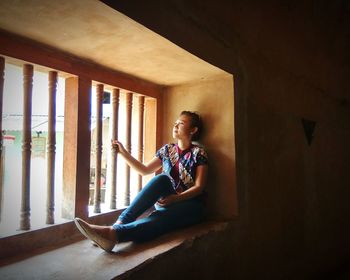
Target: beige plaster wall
column 214, row 100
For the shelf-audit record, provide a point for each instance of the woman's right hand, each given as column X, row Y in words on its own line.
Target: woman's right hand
column 118, row 146
column 140, row 167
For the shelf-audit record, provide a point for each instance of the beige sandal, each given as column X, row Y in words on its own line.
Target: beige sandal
column 89, row 233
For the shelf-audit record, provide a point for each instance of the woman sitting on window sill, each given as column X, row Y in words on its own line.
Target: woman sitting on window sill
column 177, row 193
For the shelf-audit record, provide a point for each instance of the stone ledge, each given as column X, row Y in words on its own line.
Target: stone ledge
column 82, row 260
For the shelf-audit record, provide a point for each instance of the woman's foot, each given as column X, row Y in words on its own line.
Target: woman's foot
column 103, row 236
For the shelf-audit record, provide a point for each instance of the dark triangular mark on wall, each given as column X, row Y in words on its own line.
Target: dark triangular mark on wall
column 309, row 127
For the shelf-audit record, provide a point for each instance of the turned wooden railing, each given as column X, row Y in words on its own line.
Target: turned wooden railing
column 26, row 145
column 28, row 71
column 140, row 138
column 115, row 103
column 114, row 154
column 51, row 148
column 128, row 103
column 98, row 149
column 25, row 210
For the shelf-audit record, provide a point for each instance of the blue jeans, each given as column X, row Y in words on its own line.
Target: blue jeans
column 160, row 221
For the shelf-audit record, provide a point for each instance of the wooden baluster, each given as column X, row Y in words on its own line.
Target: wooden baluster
column 51, row 149
column 128, row 145
column 140, row 140
column 98, row 149
column 2, row 73
column 115, row 111
column 26, row 145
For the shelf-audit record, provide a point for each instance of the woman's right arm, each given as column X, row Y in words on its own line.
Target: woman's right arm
column 140, row 167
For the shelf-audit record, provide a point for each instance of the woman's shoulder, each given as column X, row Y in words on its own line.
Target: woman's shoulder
column 198, row 147
column 199, row 155
column 169, row 146
column 166, row 147
column 199, row 150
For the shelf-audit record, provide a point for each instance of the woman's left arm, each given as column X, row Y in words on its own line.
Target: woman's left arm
column 196, row 189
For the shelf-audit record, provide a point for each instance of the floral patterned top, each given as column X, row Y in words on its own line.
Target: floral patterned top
column 180, row 166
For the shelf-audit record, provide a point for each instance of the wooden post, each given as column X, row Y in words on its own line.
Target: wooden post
column 77, row 143
column 2, row 73
column 51, row 149
column 26, row 145
column 114, row 156
column 98, row 149
column 150, row 132
column 128, row 145
column 140, row 140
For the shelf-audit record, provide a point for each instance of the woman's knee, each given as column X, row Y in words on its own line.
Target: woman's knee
column 162, row 179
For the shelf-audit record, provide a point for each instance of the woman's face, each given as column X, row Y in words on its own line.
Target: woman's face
column 182, row 127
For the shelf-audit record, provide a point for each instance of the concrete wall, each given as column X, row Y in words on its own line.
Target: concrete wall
column 213, row 100
column 290, row 60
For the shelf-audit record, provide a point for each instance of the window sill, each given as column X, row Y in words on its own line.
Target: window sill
column 91, row 262
column 37, row 240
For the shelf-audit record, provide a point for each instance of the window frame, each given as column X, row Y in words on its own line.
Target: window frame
column 16, row 48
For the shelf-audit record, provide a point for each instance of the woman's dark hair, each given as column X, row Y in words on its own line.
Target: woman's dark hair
column 196, row 121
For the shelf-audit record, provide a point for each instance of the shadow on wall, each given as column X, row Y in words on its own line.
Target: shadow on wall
column 221, row 186
column 221, row 202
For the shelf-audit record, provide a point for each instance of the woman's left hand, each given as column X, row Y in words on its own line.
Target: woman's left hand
column 166, row 201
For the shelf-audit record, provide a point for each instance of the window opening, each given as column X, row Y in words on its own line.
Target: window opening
column 26, row 200
column 130, row 118
column 12, row 151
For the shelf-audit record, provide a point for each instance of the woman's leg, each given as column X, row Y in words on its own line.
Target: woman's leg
column 159, row 186
column 161, row 221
